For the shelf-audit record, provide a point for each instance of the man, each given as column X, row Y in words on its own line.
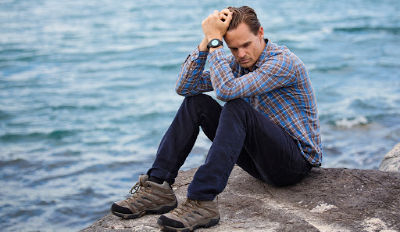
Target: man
column 268, row 126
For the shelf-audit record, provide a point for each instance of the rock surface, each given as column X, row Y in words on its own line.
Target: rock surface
column 391, row 161
column 327, row 200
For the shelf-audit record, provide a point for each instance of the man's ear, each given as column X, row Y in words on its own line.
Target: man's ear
column 261, row 33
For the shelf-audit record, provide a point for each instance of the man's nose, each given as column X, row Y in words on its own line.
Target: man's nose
column 241, row 53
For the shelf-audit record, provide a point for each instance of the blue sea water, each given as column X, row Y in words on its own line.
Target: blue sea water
column 87, row 91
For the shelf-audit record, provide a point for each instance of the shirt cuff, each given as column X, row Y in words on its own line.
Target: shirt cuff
column 199, row 57
column 202, row 54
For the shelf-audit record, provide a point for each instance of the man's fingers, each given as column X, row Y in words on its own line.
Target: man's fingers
column 222, row 17
column 225, row 15
column 229, row 17
column 225, row 11
column 215, row 13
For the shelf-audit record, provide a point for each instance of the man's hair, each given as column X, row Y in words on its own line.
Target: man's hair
column 244, row 14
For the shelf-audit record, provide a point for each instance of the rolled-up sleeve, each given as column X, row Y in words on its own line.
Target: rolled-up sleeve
column 192, row 78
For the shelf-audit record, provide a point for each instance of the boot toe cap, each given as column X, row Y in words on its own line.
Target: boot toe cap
column 165, row 221
column 119, row 209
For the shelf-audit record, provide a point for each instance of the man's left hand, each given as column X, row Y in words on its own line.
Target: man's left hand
column 216, row 24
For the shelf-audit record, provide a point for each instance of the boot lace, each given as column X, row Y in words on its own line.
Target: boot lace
column 136, row 191
column 135, row 188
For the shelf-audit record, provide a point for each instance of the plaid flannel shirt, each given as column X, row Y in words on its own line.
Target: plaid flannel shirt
column 278, row 86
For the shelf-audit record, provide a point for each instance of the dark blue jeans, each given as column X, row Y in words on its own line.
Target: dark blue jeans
column 240, row 134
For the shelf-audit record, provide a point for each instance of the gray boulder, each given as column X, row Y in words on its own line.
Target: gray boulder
column 329, row 199
column 391, row 161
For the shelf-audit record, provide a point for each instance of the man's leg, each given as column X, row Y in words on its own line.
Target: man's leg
column 248, row 138
column 153, row 194
column 196, row 111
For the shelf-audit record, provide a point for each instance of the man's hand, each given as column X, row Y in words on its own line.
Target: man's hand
column 216, row 24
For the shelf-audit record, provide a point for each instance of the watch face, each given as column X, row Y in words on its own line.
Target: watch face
column 214, row 43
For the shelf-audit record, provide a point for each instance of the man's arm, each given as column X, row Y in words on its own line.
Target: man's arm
column 278, row 71
column 216, row 25
column 203, row 45
column 193, row 79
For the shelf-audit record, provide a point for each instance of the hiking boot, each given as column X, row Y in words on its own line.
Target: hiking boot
column 190, row 215
column 147, row 198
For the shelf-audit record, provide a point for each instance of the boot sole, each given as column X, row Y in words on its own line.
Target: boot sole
column 210, row 223
column 162, row 210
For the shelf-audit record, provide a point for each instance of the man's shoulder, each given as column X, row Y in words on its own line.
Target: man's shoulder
column 283, row 52
column 275, row 49
column 274, row 53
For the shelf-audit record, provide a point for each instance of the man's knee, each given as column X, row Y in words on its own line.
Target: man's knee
column 198, row 99
column 236, row 105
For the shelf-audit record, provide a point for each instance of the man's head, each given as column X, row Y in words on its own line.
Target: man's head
column 245, row 36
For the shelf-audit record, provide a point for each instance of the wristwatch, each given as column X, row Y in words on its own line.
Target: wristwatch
column 214, row 43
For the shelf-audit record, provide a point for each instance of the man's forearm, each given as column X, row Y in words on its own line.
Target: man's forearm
column 192, row 80
column 203, row 45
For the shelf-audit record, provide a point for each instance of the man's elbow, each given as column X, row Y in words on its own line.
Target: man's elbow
column 179, row 90
column 185, row 92
column 222, row 95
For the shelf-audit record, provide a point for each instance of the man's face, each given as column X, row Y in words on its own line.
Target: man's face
column 244, row 45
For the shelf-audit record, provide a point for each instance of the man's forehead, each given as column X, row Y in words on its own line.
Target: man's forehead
column 237, row 41
column 237, row 44
column 239, row 36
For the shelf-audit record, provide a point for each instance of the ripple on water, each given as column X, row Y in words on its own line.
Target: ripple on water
column 369, row 29
column 67, row 153
column 37, row 136
column 15, row 163
column 84, row 194
column 4, row 115
column 66, row 173
column 351, row 122
column 28, row 212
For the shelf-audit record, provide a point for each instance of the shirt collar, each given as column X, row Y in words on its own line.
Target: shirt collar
column 260, row 59
column 264, row 53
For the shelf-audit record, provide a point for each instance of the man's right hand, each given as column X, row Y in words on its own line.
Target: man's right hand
column 216, row 24
column 225, row 16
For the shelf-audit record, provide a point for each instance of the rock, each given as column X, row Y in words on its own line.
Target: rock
column 391, row 161
column 331, row 199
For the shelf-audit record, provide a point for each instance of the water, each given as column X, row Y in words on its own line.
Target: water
column 87, row 91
